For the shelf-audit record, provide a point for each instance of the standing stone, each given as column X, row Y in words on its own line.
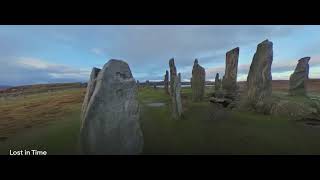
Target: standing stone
column 147, row 83
column 298, row 79
column 173, row 74
column 175, row 88
column 229, row 82
column 259, row 78
column 198, row 81
column 176, row 98
column 138, row 84
column 90, row 89
column 166, row 82
column 111, row 120
column 217, row 82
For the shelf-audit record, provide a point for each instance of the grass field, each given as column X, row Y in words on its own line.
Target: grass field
column 51, row 122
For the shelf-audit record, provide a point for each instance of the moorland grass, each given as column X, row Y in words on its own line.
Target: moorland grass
column 202, row 129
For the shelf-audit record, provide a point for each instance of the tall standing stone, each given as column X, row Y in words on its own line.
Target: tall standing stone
column 217, row 82
column 175, row 88
column 298, row 79
column 173, row 74
column 229, row 82
column 198, row 81
column 176, row 98
column 259, row 78
column 111, row 119
column 166, row 82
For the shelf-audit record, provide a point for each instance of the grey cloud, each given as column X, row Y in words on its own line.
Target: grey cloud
column 15, row 73
column 147, row 49
column 153, row 46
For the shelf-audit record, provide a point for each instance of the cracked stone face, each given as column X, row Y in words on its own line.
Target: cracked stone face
column 297, row 83
column 111, row 117
column 259, row 77
column 229, row 82
column 175, row 90
column 198, row 81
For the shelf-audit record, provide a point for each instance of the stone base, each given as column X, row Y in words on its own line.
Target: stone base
column 229, row 100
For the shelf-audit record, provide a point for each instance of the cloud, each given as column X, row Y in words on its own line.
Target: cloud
column 32, row 63
column 98, row 51
column 158, row 44
column 26, row 70
column 147, row 49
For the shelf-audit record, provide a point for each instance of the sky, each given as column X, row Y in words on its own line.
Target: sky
column 33, row 54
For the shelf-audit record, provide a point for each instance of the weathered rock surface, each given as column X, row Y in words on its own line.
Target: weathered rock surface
column 176, row 98
column 166, row 82
column 198, row 81
column 90, row 89
column 259, row 78
column 173, row 74
column 297, row 83
column 297, row 110
column 229, row 82
column 217, row 82
column 111, row 120
column 223, row 101
column 175, row 90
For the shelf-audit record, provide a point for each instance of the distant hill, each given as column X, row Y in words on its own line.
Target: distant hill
column 39, row 88
column 313, row 85
column 4, row 87
column 161, row 83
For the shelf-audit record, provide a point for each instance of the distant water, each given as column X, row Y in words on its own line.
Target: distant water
column 162, row 86
column 158, row 104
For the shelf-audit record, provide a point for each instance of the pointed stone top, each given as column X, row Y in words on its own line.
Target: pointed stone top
column 171, row 62
column 196, row 61
column 95, row 69
column 306, row 59
column 234, row 50
column 217, row 75
column 265, row 42
column 167, row 72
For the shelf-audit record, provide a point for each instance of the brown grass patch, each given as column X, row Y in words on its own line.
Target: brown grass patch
column 37, row 109
column 313, row 85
